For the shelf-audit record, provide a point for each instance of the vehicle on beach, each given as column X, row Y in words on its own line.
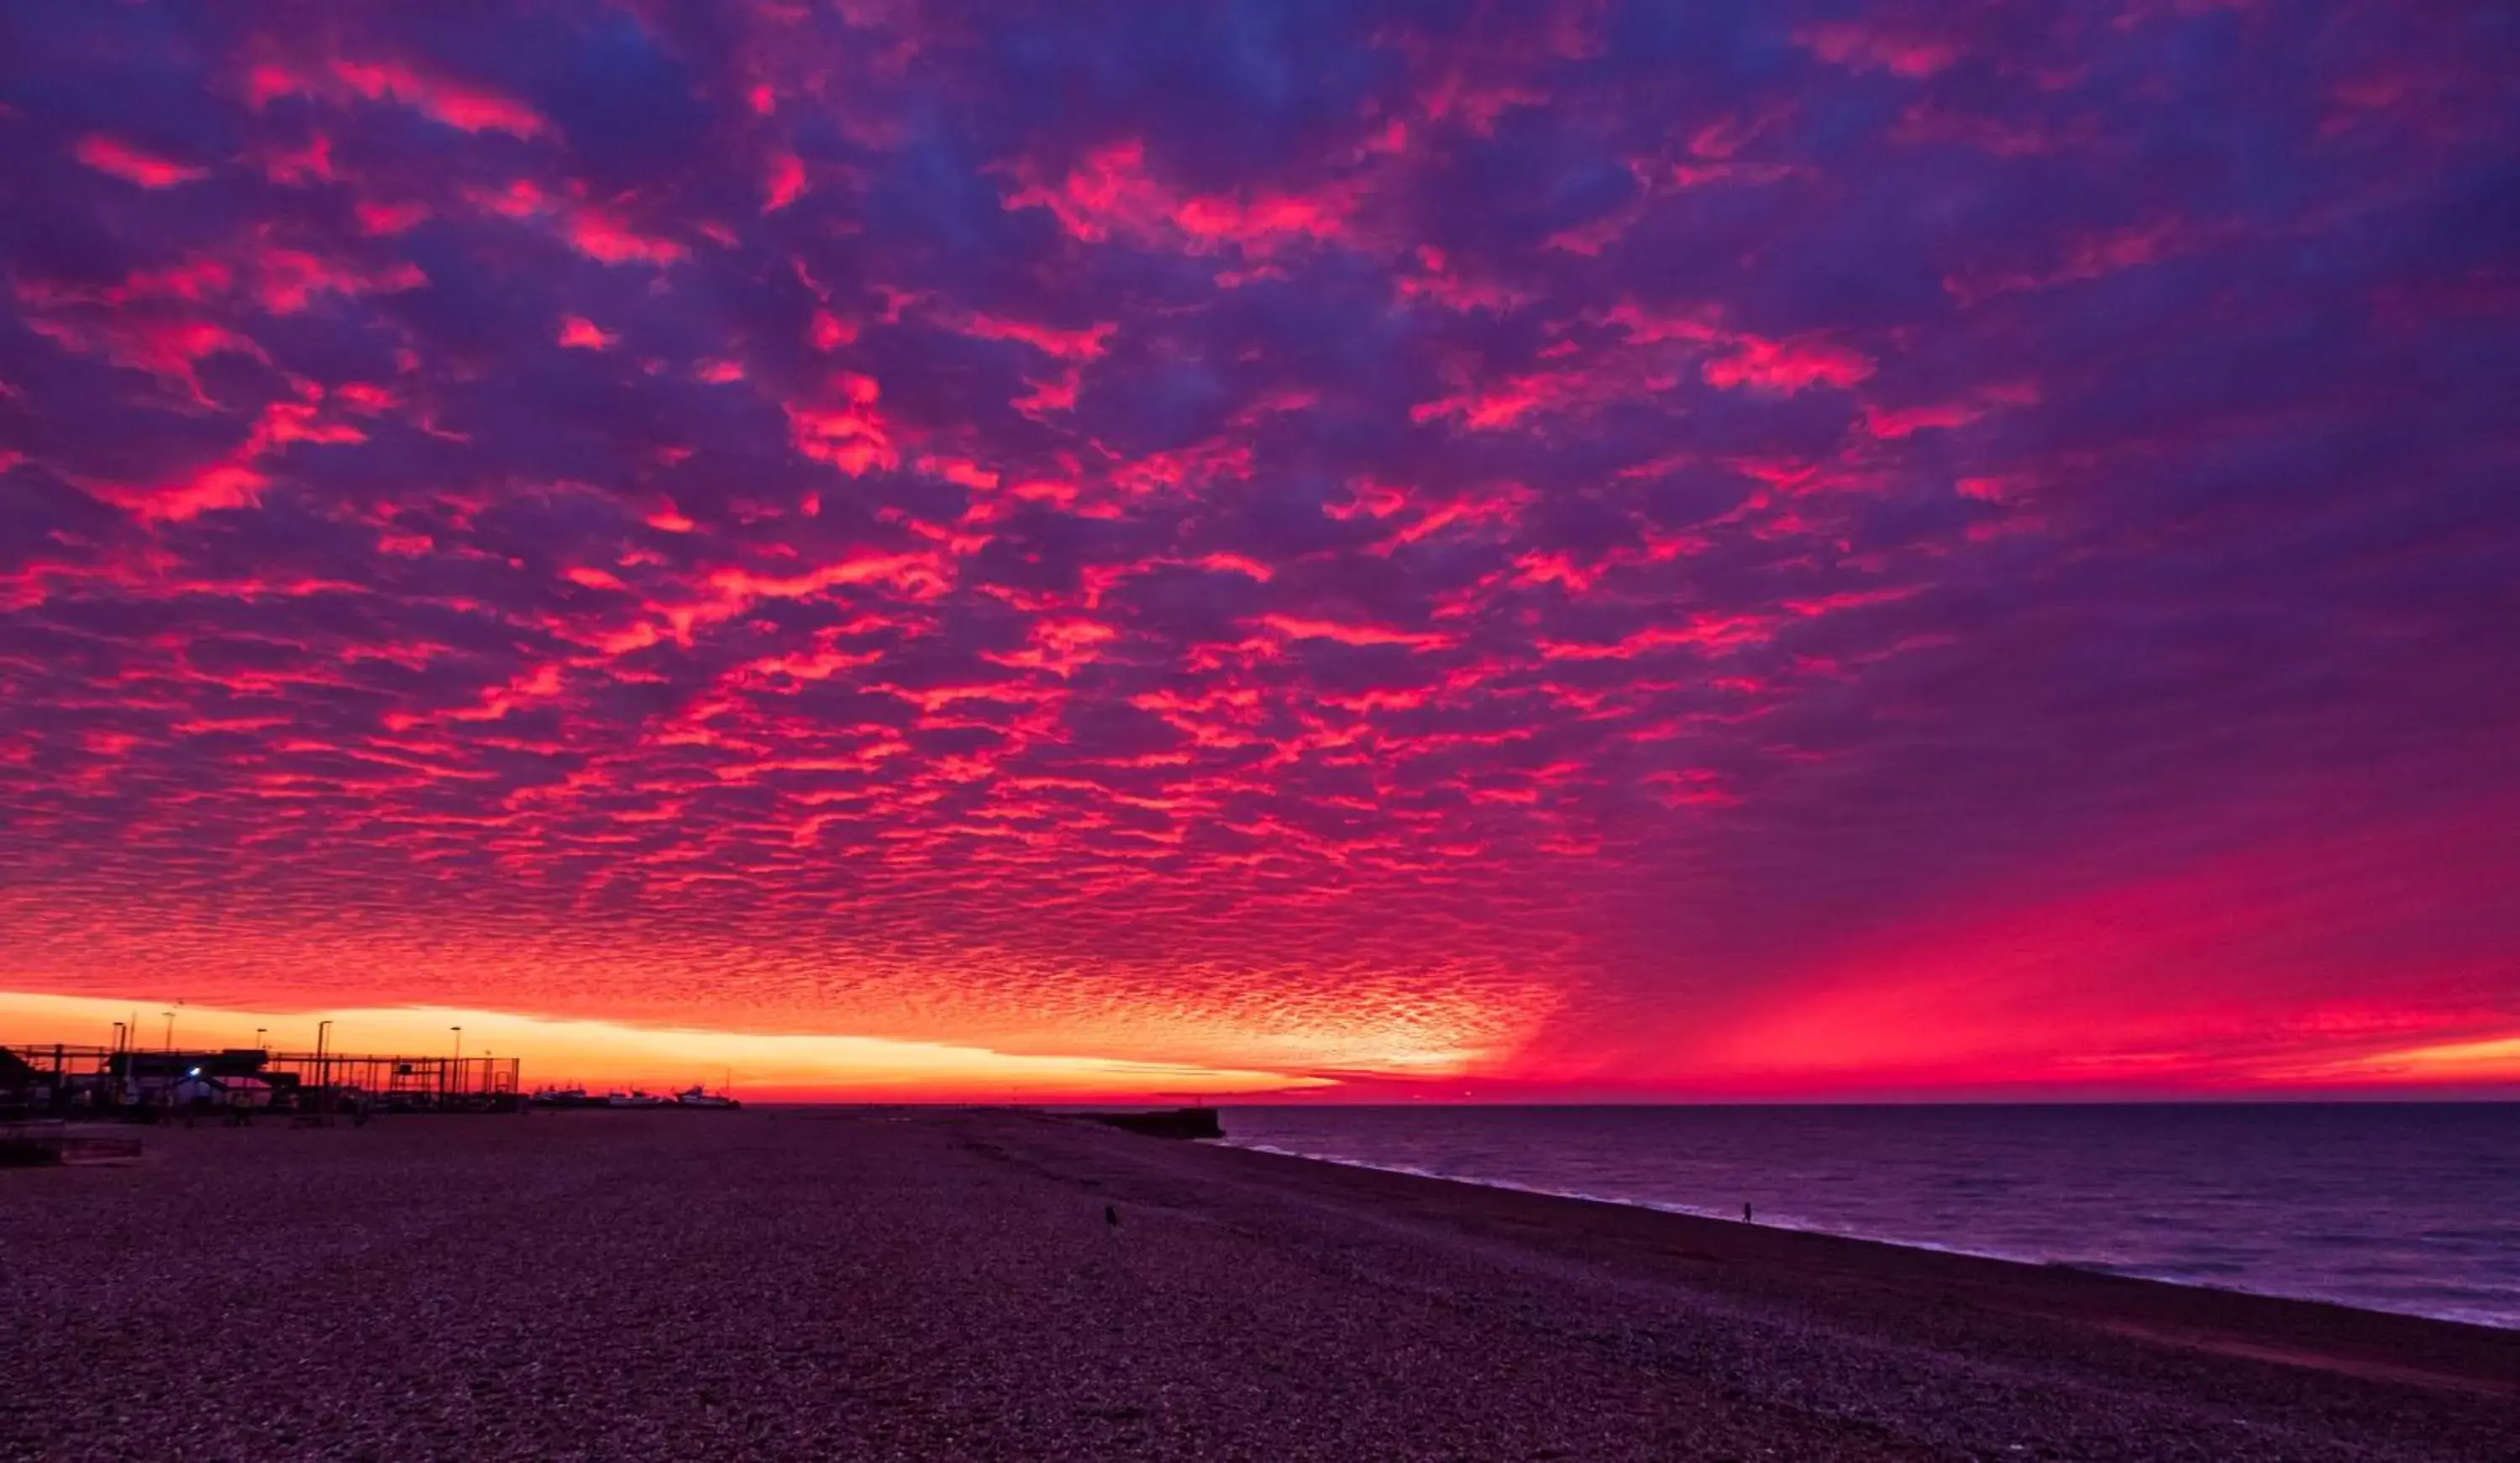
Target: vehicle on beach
column 202, row 1090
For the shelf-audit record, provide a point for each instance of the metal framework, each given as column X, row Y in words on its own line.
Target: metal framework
column 403, row 1081
column 62, row 1075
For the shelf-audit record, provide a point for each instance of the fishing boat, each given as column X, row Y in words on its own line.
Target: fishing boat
column 695, row 1096
column 635, row 1099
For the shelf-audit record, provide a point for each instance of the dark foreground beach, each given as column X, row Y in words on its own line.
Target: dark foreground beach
column 865, row 1284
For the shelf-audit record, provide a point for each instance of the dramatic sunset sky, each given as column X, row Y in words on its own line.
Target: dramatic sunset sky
column 1534, row 549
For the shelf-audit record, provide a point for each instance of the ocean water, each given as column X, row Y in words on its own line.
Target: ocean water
column 2392, row 1207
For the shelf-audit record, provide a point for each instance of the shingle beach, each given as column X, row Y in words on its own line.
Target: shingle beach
column 878, row 1284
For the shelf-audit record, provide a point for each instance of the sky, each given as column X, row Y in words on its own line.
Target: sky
column 1363, row 550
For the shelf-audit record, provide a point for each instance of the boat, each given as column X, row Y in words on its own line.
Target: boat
column 635, row 1099
column 564, row 1097
column 696, row 1097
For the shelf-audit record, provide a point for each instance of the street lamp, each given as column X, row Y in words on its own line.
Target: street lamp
column 323, row 1069
column 170, row 1029
column 257, row 1037
column 459, row 1042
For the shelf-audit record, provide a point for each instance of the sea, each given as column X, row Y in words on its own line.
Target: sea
column 2403, row 1207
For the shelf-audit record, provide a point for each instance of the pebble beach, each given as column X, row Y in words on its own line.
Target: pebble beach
column 868, row 1283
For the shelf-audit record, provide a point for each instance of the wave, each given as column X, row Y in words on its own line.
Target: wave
column 2201, row 1274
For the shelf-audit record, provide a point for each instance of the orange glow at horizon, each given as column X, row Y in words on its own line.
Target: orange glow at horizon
column 2493, row 1059
column 604, row 1053
column 1144, row 1017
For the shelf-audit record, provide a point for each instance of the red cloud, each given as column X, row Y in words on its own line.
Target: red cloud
column 1060, row 645
column 783, row 183
column 238, row 479
column 168, row 349
column 849, row 434
column 829, row 331
column 1296, row 628
column 155, row 318
column 457, row 104
column 285, row 281
column 189, row 495
column 132, row 165
column 1892, row 422
column 578, row 331
column 302, row 166
column 1067, row 346
column 1862, row 48
column 1709, row 632
column 908, row 571
column 1787, row 365
column 1648, row 327
column 600, row 235
column 1235, row 563
column 379, row 217
column 1112, row 192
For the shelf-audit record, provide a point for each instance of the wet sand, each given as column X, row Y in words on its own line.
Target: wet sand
column 867, row 1284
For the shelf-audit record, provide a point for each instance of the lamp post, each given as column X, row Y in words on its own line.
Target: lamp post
column 257, row 1037
column 322, row 1070
column 170, row 1029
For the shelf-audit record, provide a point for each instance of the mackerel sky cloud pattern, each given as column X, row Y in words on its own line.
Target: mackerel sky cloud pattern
column 1567, row 547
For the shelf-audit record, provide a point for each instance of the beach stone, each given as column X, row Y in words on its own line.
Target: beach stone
column 925, row 1284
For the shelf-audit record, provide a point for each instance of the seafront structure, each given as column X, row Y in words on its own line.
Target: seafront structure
column 126, row 1080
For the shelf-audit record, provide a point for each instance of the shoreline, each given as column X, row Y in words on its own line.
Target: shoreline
column 1930, row 1247
column 2309, row 1333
